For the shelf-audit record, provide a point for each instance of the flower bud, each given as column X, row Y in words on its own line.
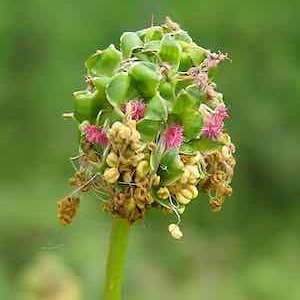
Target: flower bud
column 163, row 193
column 111, row 175
column 181, row 199
column 142, row 169
column 112, row 159
column 175, row 231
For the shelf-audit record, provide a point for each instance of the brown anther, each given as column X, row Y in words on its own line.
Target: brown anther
column 217, row 177
column 215, row 205
column 67, row 208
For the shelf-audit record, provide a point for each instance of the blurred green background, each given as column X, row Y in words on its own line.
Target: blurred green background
column 250, row 250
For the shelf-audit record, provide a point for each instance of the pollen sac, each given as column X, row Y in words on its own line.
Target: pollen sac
column 152, row 128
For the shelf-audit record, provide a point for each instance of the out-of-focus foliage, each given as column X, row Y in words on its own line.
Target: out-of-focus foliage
column 247, row 251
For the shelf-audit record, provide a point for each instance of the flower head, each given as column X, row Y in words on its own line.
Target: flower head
column 95, row 135
column 173, row 136
column 136, row 109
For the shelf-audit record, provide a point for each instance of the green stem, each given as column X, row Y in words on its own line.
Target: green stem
column 116, row 259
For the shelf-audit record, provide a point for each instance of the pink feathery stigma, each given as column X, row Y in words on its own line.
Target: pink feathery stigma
column 213, row 127
column 95, row 135
column 221, row 112
column 173, row 136
column 136, row 109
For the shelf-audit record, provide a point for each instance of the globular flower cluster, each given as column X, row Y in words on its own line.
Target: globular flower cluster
column 152, row 131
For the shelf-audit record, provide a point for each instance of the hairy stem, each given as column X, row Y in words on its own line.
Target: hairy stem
column 116, row 259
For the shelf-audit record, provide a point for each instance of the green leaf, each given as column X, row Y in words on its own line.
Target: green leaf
column 170, row 51
column 149, row 129
column 157, row 109
column 117, row 89
column 145, row 78
column 104, row 62
column 202, row 144
column 171, row 167
column 128, row 42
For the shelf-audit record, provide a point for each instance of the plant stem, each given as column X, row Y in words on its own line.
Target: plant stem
column 116, row 259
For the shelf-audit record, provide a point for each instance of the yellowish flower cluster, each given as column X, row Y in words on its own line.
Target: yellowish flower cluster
column 219, row 168
column 128, row 163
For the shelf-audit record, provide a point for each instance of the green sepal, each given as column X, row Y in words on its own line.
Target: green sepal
column 196, row 54
column 186, row 113
column 145, row 78
column 195, row 93
column 149, row 129
column 87, row 105
column 128, row 42
column 170, row 51
column 202, row 144
column 100, row 84
column 185, row 62
column 183, row 36
column 167, row 90
column 153, row 33
column 152, row 46
column 182, row 84
column 146, row 56
column 171, row 167
column 184, row 104
column 157, row 109
column 117, row 89
column 104, row 62
column 192, row 124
